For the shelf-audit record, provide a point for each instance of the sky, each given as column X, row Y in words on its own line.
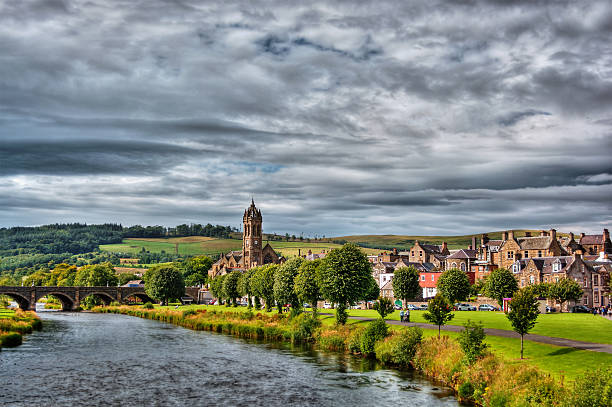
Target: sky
column 338, row 118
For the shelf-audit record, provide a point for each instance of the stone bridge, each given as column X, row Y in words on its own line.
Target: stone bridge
column 71, row 297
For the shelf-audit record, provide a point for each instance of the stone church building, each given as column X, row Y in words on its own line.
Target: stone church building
column 252, row 253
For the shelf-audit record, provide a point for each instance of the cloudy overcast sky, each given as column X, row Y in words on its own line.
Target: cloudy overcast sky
column 380, row 117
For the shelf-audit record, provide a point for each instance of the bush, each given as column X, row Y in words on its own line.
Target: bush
column 466, row 390
column 188, row 312
column 375, row 331
column 148, row 305
column 471, row 340
column 354, row 340
column 10, row 339
column 114, row 303
column 406, row 346
column 304, row 327
column 594, row 389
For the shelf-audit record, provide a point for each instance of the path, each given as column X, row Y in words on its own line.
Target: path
column 568, row 343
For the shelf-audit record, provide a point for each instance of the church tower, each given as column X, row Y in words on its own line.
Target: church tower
column 252, row 237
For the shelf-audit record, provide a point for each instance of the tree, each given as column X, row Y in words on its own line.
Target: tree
column 471, row 340
column 262, row 284
column 96, row 275
column 164, row 282
column 125, row 277
column 454, row 285
column 216, row 287
column 344, row 278
column 565, row 290
column 478, row 286
column 384, row 306
column 284, row 291
column 244, row 286
column 500, row 284
column 305, row 284
column 523, row 313
column 373, row 291
column 438, row 311
column 405, row 283
column 230, row 286
column 195, row 270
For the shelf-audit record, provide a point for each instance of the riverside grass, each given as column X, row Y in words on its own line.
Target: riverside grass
column 15, row 324
column 489, row 381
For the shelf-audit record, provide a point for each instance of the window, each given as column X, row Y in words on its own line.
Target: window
column 432, row 277
column 556, row 267
column 423, row 277
column 420, row 253
column 462, row 266
column 531, row 280
column 526, row 253
column 586, row 300
column 453, row 265
column 412, row 253
column 539, row 253
column 595, row 280
column 509, row 255
column 596, row 297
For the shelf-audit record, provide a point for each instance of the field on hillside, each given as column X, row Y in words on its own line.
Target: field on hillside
column 402, row 242
column 197, row 245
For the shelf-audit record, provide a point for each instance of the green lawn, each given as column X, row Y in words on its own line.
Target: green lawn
column 6, row 313
column 580, row 327
column 557, row 361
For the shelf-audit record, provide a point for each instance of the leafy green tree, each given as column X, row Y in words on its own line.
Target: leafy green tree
column 384, row 306
column 500, row 284
column 195, row 270
column 405, row 283
column 478, row 286
column 541, row 289
column 96, row 275
column 8, row 281
column 164, row 282
column 216, row 288
column 373, row 291
column 454, row 285
column 438, row 311
column 523, row 313
column 230, row 286
column 305, row 283
column 244, row 286
column 38, row 278
column 565, row 290
column 284, row 289
column 471, row 340
column 345, row 277
column 262, row 284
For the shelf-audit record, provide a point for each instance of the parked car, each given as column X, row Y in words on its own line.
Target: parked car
column 580, row 309
column 466, row 307
column 412, row 307
column 327, row 305
column 422, row 307
column 486, row 307
column 397, row 307
column 550, row 309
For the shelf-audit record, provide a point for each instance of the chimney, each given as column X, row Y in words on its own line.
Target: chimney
column 484, row 238
column 542, row 233
column 473, row 243
column 553, row 233
column 504, row 235
column 511, row 235
column 577, row 254
column 606, row 234
column 527, row 234
column 444, row 247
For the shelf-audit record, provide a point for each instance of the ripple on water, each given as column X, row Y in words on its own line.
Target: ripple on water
column 107, row 359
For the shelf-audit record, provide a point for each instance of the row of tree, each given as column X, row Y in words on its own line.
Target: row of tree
column 343, row 277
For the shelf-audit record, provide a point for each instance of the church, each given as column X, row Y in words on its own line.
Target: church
column 252, row 253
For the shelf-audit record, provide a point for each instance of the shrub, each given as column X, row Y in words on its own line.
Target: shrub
column 304, row 327
column 10, row 339
column 466, row 390
column 148, row 305
column 354, row 340
column 375, row 331
column 471, row 340
column 406, row 346
column 189, row 312
column 594, row 389
column 114, row 303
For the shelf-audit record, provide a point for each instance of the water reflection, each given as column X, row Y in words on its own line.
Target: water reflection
column 94, row 359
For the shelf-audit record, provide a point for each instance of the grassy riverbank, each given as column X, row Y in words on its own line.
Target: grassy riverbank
column 492, row 380
column 15, row 324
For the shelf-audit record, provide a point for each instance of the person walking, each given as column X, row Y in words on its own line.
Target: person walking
column 407, row 315
column 402, row 316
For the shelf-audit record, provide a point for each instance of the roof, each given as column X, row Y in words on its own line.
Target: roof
column 534, row 243
column 591, row 239
column 463, row 254
column 431, row 248
column 545, row 264
column 388, row 285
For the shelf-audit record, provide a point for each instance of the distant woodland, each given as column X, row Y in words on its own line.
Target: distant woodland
column 24, row 250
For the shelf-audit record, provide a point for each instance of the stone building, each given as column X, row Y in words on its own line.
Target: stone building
column 595, row 244
column 429, row 253
column 462, row 259
column 252, row 253
column 487, row 258
column 513, row 248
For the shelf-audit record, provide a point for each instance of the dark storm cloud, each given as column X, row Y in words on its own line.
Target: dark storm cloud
column 370, row 117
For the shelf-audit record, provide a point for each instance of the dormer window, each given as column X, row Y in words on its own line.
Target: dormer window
column 556, row 267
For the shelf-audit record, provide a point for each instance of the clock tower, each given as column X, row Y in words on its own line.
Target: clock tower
column 252, row 237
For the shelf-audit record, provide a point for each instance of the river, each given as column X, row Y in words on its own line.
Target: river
column 108, row 359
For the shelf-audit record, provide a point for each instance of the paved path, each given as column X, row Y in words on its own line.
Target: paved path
column 568, row 343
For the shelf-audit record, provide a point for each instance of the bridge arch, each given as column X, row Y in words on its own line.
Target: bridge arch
column 21, row 300
column 140, row 295
column 68, row 303
column 105, row 297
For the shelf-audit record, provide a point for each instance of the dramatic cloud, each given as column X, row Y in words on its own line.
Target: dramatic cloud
column 403, row 117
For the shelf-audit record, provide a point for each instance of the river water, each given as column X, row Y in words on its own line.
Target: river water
column 107, row 359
